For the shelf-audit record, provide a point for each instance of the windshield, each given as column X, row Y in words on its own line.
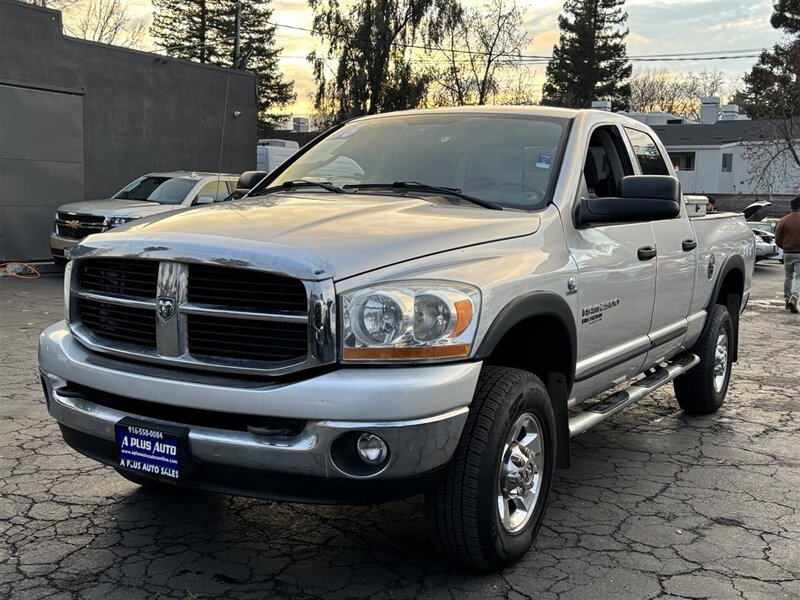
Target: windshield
column 164, row 190
column 506, row 159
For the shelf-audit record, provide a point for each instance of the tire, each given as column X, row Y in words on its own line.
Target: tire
column 463, row 506
column 699, row 391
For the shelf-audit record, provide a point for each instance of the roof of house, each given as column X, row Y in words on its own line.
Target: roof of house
column 721, row 132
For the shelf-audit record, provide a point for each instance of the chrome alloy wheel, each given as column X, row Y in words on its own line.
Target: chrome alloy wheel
column 721, row 361
column 520, row 475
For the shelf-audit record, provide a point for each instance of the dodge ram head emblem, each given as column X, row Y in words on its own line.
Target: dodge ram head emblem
column 166, row 308
column 74, row 224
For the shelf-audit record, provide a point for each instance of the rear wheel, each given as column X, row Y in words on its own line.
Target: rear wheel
column 487, row 508
column 702, row 390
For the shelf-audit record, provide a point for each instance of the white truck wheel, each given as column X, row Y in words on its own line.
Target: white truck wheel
column 487, row 508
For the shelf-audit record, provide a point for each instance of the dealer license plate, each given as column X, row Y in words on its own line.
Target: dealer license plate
column 150, row 449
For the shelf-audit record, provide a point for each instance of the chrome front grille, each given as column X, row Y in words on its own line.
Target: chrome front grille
column 199, row 315
column 126, row 324
column 137, row 278
column 248, row 340
column 250, row 290
column 77, row 226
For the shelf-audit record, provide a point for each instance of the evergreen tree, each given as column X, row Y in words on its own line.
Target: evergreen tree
column 590, row 61
column 259, row 54
column 186, row 28
column 772, row 88
column 786, row 15
column 204, row 30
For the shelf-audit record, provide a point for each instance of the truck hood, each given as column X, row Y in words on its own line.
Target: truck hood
column 118, row 208
column 312, row 236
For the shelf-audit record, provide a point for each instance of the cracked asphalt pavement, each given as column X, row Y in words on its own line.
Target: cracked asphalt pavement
column 657, row 505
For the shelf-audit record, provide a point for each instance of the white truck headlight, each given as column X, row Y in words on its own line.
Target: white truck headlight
column 409, row 320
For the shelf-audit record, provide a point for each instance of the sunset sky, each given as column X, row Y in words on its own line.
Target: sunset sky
column 656, row 27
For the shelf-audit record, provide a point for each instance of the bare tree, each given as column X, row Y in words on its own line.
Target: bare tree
column 518, row 89
column 109, row 22
column 773, row 160
column 477, row 47
column 106, row 21
column 675, row 93
column 54, row 4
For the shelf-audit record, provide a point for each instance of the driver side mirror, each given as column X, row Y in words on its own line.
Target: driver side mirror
column 204, row 200
column 642, row 198
column 247, row 181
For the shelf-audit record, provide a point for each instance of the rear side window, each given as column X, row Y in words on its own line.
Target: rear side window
column 650, row 159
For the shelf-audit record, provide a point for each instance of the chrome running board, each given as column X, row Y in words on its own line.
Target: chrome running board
column 611, row 405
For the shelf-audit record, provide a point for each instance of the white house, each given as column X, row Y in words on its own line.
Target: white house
column 723, row 155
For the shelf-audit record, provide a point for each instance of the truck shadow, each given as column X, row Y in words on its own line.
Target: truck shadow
column 213, row 545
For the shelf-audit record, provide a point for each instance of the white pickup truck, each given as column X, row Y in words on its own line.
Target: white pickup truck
column 426, row 301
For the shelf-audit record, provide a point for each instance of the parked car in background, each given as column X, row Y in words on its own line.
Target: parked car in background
column 148, row 195
column 763, row 231
column 765, row 245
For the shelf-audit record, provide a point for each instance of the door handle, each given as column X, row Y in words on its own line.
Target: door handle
column 646, row 253
column 688, row 245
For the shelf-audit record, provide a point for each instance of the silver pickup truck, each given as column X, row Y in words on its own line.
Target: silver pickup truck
column 429, row 301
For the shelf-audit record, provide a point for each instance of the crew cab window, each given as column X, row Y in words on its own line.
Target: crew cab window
column 647, row 153
column 606, row 163
column 218, row 190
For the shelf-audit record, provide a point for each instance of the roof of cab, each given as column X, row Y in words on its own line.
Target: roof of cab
column 189, row 174
column 592, row 115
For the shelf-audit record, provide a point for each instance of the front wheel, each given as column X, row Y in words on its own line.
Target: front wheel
column 487, row 508
column 702, row 390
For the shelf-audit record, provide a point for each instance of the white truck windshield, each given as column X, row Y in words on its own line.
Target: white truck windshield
column 506, row 159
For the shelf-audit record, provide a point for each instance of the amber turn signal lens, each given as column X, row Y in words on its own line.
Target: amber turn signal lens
column 463, row 317
column 455, row 351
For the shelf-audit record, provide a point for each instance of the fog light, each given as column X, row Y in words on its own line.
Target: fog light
column 371, row 449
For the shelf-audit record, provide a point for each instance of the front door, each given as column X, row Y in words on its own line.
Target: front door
column 616, row 276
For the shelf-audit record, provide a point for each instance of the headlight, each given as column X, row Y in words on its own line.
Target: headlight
column 115, row 221
column 419, row 320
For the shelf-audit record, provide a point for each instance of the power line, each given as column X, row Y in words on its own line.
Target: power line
column 526, row 59
column 724, row 54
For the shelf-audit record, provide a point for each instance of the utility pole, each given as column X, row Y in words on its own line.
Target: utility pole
column 237, row 7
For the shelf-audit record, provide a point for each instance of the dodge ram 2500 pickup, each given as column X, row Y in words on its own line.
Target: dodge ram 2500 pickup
column 428, row 301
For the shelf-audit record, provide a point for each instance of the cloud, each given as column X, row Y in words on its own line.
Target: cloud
column 667, row 26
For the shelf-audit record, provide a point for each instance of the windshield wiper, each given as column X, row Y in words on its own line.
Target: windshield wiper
column 424, row 187
column 299, row 183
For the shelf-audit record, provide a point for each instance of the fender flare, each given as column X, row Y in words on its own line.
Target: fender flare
column 733, row 262
column 733, row 303
column 551, row 305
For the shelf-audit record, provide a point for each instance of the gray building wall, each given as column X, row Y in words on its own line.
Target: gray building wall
column 68, row 106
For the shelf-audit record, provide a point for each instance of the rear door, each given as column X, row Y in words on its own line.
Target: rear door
column 676, row 247
column 616, row 285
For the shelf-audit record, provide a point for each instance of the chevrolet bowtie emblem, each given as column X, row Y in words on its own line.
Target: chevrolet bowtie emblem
column 74, row 224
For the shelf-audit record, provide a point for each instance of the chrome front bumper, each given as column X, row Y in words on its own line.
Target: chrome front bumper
column 418, row 411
